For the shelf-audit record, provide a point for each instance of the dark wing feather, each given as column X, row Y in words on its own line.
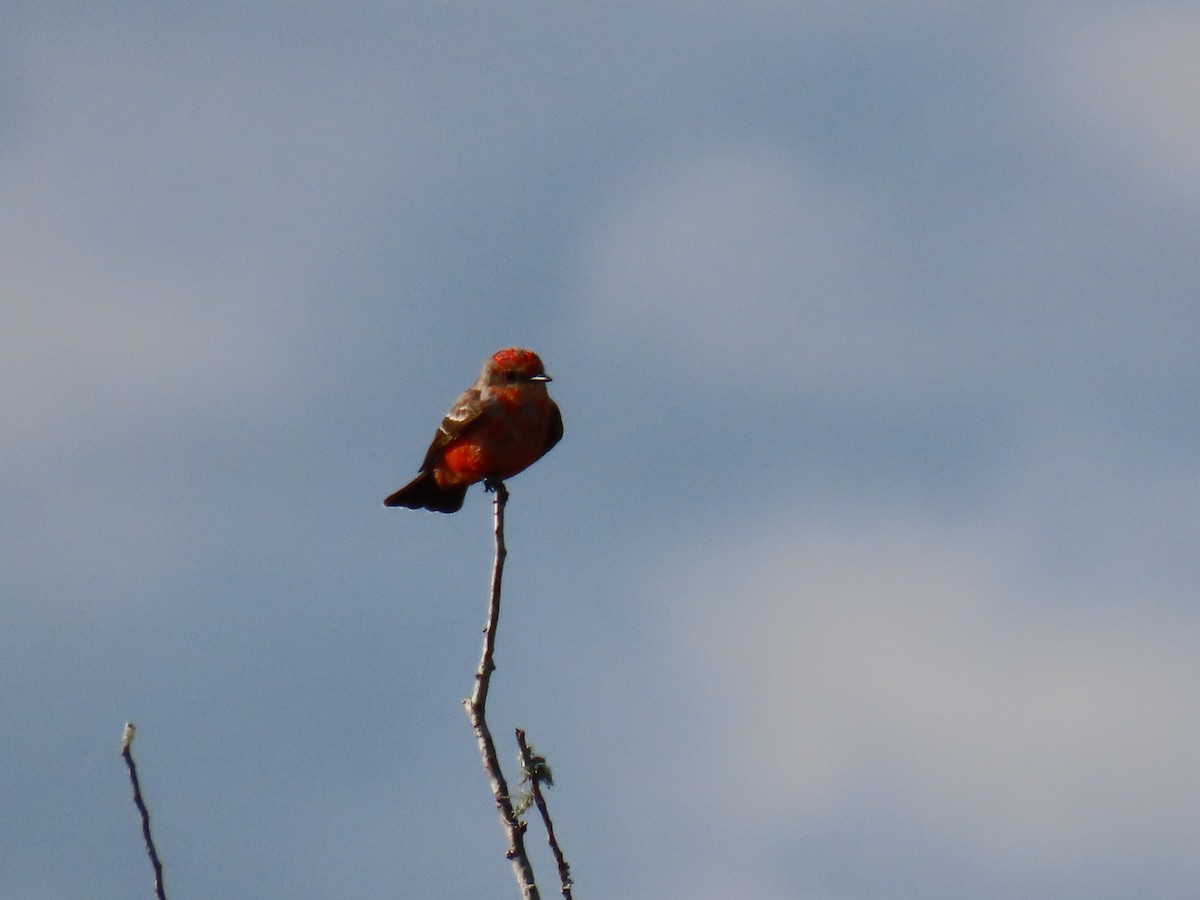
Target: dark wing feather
column 462, row 414
column 556, row 428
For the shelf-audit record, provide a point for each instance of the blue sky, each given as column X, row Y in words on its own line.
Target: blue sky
column 867, row 566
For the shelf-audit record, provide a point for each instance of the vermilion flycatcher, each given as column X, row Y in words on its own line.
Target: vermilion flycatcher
column 501, row 425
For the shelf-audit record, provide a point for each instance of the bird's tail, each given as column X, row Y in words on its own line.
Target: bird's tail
column 423, row 492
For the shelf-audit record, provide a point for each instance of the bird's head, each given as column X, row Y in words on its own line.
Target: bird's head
column 515, row 365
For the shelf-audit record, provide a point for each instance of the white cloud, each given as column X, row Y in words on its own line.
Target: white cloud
column 743, row 257
column 88, row 346
column 160, row 222
column 1126, row 82
column 897, row 660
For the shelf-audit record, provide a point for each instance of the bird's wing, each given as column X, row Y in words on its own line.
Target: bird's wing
column 556, row 428
column 464, row 413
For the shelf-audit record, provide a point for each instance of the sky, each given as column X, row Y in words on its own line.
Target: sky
column 867, row 567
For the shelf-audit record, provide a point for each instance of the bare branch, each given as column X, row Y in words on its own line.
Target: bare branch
column 127, row 753
column 536, row 771
column 477, row 705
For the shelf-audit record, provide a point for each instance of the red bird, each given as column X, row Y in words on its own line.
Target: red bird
column 501, row 425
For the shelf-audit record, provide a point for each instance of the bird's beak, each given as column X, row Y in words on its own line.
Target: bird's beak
column 541, row 378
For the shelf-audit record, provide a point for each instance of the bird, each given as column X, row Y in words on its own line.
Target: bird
column 500, row 426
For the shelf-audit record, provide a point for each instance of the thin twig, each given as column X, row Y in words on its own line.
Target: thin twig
column 476, row 707
column 127, row 752
column 536, row 771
